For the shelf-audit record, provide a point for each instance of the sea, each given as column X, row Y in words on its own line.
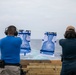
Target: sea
column 35, row 54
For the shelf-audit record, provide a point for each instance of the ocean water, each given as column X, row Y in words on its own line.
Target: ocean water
column 36, row 45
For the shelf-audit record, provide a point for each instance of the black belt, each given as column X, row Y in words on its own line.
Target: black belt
column 12, row 64
column 69, row 59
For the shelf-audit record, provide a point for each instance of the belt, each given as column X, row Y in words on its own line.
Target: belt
column 69, row 59
column 13, row 64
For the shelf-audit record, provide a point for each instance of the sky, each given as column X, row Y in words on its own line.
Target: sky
column 39, row 16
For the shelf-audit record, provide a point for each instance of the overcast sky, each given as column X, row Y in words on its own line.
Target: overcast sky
column 38, row 16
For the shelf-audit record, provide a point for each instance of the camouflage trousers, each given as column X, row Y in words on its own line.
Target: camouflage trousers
column 10, row 70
